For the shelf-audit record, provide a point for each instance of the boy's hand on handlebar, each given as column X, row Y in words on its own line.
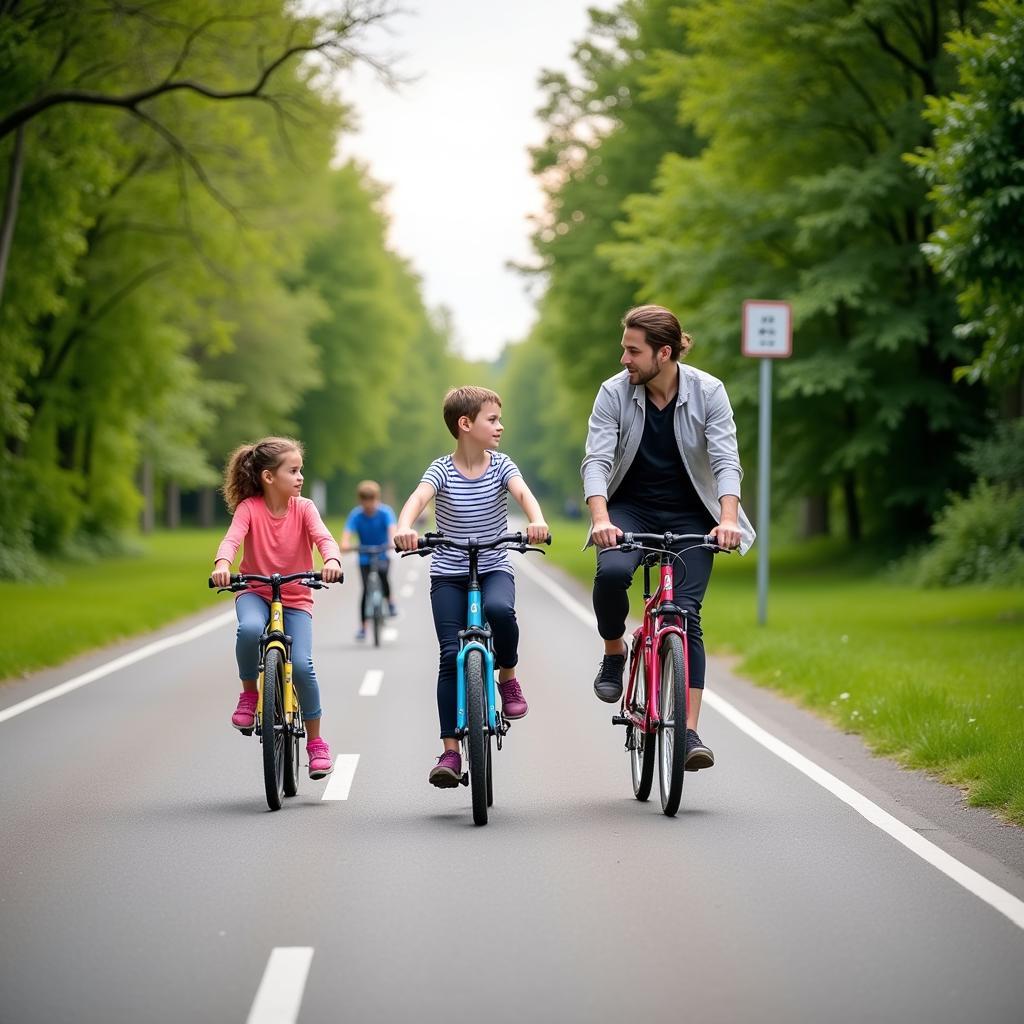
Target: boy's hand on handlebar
column 605, row 534
column 221, row 574
column 406, row 540
column 332, row 571
column 537, row 533
column 726, row 534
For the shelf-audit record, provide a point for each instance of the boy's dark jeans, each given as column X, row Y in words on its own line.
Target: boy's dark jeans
column 448, row 602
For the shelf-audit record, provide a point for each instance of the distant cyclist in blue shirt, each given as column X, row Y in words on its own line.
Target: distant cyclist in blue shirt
column 370, row 524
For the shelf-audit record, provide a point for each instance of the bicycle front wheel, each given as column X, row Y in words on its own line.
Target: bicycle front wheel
column 292, row 749
column 377, row 605
column 672, row 734
column 479, row 738
column 272, row 728
column 639, row 743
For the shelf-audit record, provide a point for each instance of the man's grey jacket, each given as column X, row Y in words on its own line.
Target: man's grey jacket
column 705, row 433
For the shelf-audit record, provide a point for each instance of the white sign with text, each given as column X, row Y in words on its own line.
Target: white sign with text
column 767, row 329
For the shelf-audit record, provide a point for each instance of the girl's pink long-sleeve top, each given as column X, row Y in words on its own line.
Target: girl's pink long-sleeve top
column 281, row 544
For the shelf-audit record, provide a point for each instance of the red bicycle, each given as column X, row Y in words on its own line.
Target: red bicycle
column 656, row 701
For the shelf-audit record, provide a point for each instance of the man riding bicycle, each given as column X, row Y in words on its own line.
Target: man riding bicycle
column 661, row 456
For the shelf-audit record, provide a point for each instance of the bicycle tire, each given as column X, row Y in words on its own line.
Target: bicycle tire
column 292, row 751
column 378, row 619
column 490, row 773
column 271, row 736
column 672, row 734
column 479, row 738
column 641, row 755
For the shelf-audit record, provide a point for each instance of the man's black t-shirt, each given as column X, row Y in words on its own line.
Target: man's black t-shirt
column 657, row 481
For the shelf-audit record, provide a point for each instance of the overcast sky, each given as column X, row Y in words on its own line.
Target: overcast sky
column 452, row 147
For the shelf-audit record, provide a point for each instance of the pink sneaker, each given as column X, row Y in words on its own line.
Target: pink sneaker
column 320, row 763
column 513, row 703
column 245, row 714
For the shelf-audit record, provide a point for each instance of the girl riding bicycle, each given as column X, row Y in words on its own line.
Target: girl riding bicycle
column 262, row 487
column 470, row 489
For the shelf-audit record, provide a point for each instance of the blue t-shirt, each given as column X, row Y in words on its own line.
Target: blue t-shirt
column 371, row 530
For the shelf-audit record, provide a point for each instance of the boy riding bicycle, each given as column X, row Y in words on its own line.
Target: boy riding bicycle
column 470, row 490
column 370, row 524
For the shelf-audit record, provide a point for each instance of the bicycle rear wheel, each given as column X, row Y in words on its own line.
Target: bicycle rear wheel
column 272, row 728
column 672, row 734
column 479, row 738
column 640, row 744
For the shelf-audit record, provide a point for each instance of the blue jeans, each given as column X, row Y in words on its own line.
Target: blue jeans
column 448, row 601
column 253, row 614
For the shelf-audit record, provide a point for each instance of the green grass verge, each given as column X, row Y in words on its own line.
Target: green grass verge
column 90, row 606
column 934, row 678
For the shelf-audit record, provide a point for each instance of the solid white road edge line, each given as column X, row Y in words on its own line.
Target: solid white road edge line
column 117, row 664
column 371, row 682
column 339, row 782
column 995, row 896
column 284, row 980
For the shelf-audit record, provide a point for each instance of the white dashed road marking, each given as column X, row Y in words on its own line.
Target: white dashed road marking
column 407, row 590
column 339, row 782
column 280, row 993
column 389, row 634
column 371, row 683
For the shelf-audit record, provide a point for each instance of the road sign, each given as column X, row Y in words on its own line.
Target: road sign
column 767, row 329
column 767, row 335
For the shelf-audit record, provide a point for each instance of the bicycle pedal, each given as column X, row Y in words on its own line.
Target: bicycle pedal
column 464, row 781
column 245, row 732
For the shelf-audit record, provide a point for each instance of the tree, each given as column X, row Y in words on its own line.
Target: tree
column 976, row 172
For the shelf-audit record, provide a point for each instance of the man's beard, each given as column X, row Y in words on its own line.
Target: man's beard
column 645, row 376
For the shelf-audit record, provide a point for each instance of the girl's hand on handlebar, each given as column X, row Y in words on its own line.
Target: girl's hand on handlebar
column 537, row 533
column 406, row 540
column 331, row 571
column 726, row 534
column 221, row 574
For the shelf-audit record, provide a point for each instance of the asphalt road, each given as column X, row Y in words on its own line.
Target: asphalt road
column 142, row 878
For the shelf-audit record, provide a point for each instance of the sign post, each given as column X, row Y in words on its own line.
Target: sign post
column 767, row 335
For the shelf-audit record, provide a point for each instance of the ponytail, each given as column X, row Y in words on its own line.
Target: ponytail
column 247, row 463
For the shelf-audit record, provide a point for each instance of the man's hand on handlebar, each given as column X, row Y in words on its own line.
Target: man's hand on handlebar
column 726, row 534
column 605, row 534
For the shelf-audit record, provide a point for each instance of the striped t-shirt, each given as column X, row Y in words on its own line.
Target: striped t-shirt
column 467, row 508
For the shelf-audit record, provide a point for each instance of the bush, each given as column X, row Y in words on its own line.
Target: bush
column 978, row 539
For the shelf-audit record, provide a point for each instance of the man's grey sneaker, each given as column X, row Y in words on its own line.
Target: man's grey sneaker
column 608, row 684
column 697, row 755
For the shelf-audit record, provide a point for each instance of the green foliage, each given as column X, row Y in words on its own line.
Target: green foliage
column 976, row 172
column 980, row 538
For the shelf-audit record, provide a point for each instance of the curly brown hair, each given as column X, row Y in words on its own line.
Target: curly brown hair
column 247, row 462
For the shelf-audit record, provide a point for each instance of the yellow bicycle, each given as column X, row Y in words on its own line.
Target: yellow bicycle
column 278, row 714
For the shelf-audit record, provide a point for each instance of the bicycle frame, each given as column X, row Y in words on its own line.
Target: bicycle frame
column 475, row 637
column 661, row 618
column 274, row 637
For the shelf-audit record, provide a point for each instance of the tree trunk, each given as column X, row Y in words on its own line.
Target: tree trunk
column 148, row 505
column 11, row 198
column 852, row 505
column 815, row 516
column 206, row 506
column 172, row 509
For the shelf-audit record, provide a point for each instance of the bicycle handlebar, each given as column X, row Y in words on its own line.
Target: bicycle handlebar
column 241, row 581
column 516, row 541
column 632, row 541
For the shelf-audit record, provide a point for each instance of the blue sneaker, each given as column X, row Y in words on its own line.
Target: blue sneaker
column 360, row 633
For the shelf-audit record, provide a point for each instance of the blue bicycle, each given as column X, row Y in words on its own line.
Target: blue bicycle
column 477, row 718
